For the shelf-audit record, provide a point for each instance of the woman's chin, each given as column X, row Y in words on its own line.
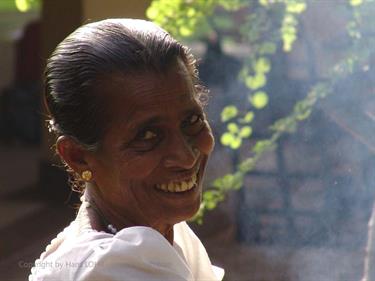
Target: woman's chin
column 187, row 213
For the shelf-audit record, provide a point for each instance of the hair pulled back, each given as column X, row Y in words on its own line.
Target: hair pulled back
column 97, row 50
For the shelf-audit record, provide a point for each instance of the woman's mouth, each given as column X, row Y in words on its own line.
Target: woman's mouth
column 178, row 186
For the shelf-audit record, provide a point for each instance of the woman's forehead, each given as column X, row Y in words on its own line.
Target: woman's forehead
column 138, row 95
column 136, row 87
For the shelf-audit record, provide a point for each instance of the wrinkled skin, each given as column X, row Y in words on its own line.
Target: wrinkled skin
column 158, row 133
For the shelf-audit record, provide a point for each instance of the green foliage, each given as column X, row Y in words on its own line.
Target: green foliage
column 245, row 131
column 259, row 99
column 290, row 22
column 270, row 25
column 249, row 116
column 238, row 130
column 228, row 113
column 267, row 48
column 289, row 32
column 185, row 18
column 355, row 2
column 263, row 145
column 255, row 82
column 262, row 65
column 233, row 137
column 179, row 17
column 19, row 5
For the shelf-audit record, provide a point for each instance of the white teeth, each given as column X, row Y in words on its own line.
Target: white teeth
column 178, row 187
column 184, row 186
column 194, row 179
column 191, row 184
column 164, row 187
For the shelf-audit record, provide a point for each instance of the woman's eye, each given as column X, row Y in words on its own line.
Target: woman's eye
column 146, row 140
column 194, row 124
column 148, row 135
column 194, row 118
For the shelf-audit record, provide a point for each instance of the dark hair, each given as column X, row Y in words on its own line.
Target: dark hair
column 97, row 50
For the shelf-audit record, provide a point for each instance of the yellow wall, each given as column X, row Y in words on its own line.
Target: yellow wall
column 59, row 18
column 98, row 9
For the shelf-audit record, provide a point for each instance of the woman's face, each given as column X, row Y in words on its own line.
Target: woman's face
column 152, row 160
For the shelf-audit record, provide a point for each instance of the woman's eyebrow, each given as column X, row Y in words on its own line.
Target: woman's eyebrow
column 156, row 119
column 193, row 109
column 143, row 123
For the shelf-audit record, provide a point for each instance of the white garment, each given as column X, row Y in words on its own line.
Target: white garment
column 369, row 272
column 134, row 253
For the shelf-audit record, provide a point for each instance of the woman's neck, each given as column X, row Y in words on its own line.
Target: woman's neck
column 108, row 215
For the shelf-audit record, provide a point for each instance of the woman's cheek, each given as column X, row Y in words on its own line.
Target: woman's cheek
column 138, row 166
column 205, row 141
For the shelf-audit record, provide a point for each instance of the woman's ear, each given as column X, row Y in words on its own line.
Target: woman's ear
column 73, row 154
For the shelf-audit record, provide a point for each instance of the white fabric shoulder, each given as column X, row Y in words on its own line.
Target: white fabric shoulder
column 195, row 253
column 135, row 253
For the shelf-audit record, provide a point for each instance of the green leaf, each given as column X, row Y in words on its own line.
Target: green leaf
column 23, row 5
column 236, row 143
column 356, row 2
column 263, row 145
column 231, row 5
column 303, row 115
column 289, row 39
column 218, row 183
column 247, row 165
column 246, row 132
column 287, row 124
column 191, row 12
column 237, row 180
column 19, row 6
column 210, row 205
column 233, row 128
column 185, row 31
column 289, row 21
column 209, row 199
column 259, row 99
column 208, row 195
column 227, row 138
column 296, row 8
column 256, row 82
column 229, row 112
column 229, row 182
column 262, row 65
column 303, row 109
column 267, row 48
column 152, row 12
column 289, row 31
column 247, row 118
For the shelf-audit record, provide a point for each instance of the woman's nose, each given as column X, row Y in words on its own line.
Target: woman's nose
column 181, row 154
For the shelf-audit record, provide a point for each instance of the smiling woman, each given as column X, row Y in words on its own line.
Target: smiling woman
column 125, row 106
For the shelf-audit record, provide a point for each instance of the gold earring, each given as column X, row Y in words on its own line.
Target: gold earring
column 86, row 175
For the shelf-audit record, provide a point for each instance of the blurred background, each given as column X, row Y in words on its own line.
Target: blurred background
column 290, row 187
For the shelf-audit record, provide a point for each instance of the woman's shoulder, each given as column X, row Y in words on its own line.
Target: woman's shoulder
column 65, row 253
column 141, row 252
column 195, row 254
